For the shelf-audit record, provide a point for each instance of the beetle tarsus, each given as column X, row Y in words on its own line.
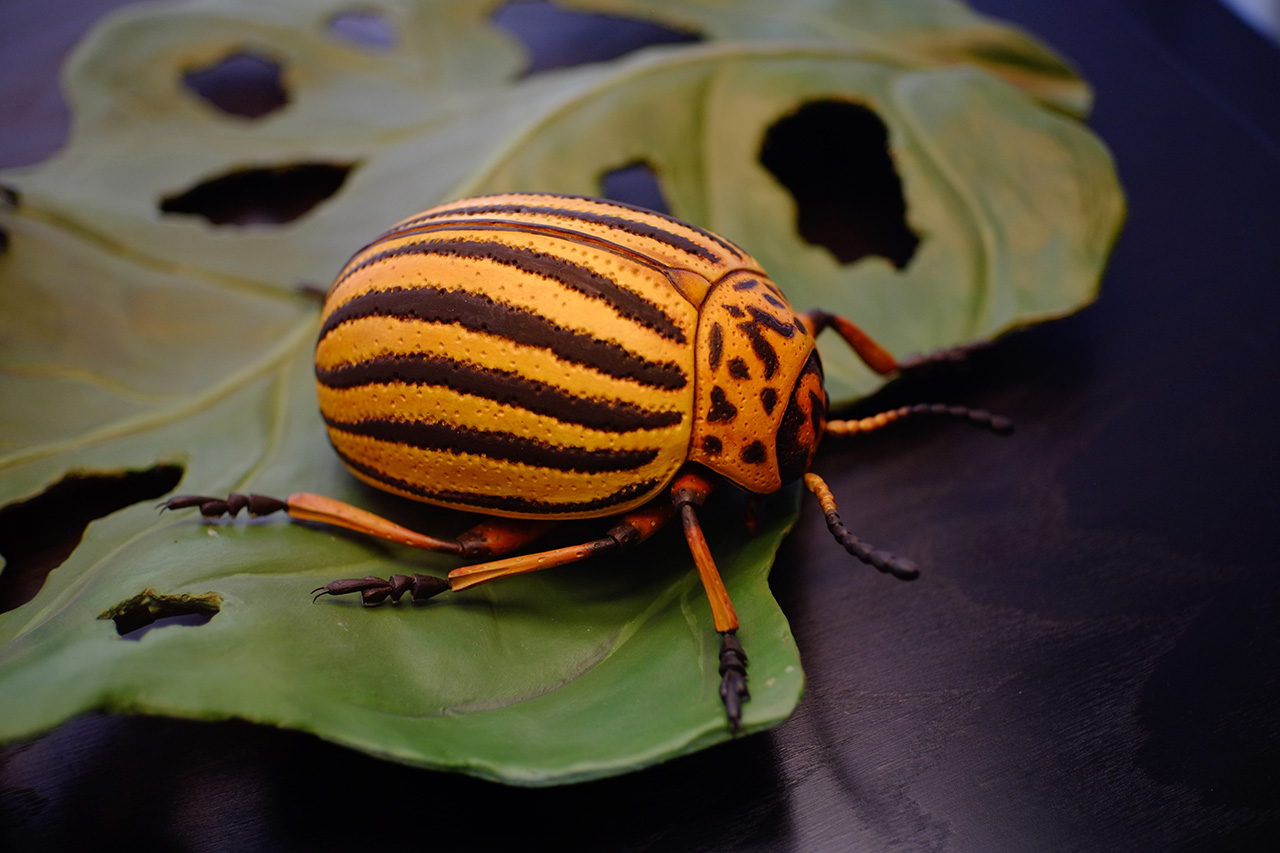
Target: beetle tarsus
column 733, row 678
column 210, row 507
column 374, row 590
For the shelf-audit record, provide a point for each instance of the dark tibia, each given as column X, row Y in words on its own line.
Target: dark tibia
column 733, row 678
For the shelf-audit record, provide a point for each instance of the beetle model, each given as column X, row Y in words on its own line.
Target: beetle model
column 536, row 358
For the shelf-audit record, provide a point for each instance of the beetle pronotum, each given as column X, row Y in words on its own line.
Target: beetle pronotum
column 543, row 357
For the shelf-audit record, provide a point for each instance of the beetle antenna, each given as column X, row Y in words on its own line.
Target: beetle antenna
column 977, row 417
column 899, row 567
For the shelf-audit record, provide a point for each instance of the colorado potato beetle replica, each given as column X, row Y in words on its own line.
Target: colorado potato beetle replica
column 545, row 357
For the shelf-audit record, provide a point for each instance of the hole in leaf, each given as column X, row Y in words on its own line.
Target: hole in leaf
column 559, row 38
column 37, row 535
column 243, row 84
column 363, row 27
column 266, row 195
column 636, row 183
column 834, row 158
column 149, row 609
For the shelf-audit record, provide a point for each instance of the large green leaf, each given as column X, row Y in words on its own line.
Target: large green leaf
column 130, row 337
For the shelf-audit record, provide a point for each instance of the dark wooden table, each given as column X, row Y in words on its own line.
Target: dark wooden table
column 1090, row 661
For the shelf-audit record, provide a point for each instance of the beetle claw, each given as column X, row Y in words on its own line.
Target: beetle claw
column 733, row 678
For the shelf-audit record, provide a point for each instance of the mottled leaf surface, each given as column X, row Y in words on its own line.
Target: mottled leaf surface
column 135, row 332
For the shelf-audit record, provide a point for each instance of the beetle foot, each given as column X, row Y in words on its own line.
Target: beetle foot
column 257, row 505
column 733, row 678
column 376, row 590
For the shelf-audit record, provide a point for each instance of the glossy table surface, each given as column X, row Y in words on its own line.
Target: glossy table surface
column 1091, row 659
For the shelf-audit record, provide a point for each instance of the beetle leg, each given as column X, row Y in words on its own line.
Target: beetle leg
column 899, row 567
column 872, row 354
column 631, row 529
column 305, row 506
column 486, row 539
column 688, row 491
column 977, row 417
column 877, row 357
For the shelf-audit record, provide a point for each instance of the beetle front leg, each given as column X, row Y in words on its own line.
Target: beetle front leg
column 877, row 357
column 689, row 491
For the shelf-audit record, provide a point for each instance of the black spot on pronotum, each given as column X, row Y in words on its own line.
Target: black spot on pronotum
column 243, row 84
column 560, row 38
column 37, row 535
column 721, row 408
column 712, row 446
column 635, row 183
column 364, row 28
column 262, row 195
column 715, row 345
column 834, row 158
column 754, row 453
column 149, row 610
column 769, row 399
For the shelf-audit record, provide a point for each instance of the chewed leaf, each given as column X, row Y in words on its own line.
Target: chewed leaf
column 142, row 325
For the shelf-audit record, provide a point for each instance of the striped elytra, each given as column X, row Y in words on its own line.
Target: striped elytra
column 556, row 356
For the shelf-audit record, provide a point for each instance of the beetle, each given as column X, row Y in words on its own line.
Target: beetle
column 539, row 357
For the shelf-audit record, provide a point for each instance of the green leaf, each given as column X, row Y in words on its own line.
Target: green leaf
column 131, row 337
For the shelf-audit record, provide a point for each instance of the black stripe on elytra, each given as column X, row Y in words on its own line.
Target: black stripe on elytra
column 481, row 314
column 630, row 226
column 588, row 282
column 715, row 238
column 501, row 386
column 428, row 435
column 505, row 503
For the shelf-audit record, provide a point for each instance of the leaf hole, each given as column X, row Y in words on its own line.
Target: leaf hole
column 243, row 84
column 267, row 195
column 38, row 535
column 363, row 27
column 833, row 156
column 149, row 610
column 635, row 183
column 559, row 38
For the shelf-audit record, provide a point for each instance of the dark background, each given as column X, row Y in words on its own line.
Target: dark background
column 1090, row 659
